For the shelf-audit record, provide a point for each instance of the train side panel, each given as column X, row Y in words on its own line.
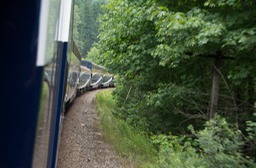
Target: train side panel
column 84, row 79
column 74, row 59
column 105, row 79
column 34, row 64
column 100, row 77
column 49, row 56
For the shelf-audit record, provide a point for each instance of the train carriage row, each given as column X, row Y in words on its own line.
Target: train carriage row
column 41, row 72
column 94, row 76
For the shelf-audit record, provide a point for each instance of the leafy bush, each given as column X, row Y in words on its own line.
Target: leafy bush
column 168, row 108
column 217, row 145
column 128, row 141
column 174, row 153
column 93, row 55
column 251, row 139
column 221, row 144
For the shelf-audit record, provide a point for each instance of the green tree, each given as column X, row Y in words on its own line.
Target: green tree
column 181, row 62
column 93, row 55
column 161, row 43
column 218, row 29
column 86, row 26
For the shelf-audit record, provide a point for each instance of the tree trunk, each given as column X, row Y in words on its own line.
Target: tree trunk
column 251, row 99
column 215, row 84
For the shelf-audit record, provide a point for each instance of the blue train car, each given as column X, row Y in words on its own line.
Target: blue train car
column 100, row 77
column 84, row 79
column 38, row 66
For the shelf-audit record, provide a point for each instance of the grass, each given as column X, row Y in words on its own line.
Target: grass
column 137, row 147
column 127, row 141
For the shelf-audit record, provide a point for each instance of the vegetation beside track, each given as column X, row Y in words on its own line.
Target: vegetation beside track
column 217, row 144
column 128, row 141
column 183, row 63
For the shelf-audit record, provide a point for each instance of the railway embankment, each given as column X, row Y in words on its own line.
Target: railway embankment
column 82, row 143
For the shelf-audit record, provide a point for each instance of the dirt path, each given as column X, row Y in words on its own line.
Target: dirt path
column 82, row 144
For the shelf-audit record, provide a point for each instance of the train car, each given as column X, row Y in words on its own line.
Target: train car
column 108, row 80
column 98, row 73
column 73, row 73
column 38, row 63
column 84, row 80
column 100, row 77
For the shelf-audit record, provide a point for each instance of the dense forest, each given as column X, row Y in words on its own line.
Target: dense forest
column 85, row 23
column 186, row 75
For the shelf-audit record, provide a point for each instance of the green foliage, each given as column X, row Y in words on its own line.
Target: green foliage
column 130, row 102
column 251, row 128
column 86, row 13
column 251, row 139
column 173, row 153
column 221, row 144
column 164, row 52
column 93, row 55
column 128, row 141
column 155, row 44
column 217, row 145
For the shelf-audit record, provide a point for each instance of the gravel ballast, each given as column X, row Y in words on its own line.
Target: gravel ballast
column 82, row 144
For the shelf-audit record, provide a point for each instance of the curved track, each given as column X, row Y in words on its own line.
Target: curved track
column 82, row 143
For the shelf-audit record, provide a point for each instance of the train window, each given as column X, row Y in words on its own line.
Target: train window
column 85, row 77
column 106, row 78
column 47, row 57
column 43, row 129
column 72, row 79
column 48, row 31
column 96, row 77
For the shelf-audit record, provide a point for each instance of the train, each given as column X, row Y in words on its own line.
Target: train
column 42, row 72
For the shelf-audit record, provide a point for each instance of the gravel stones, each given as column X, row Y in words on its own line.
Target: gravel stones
column 82, row 144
